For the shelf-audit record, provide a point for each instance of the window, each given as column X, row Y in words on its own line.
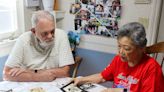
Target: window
column 8, row 17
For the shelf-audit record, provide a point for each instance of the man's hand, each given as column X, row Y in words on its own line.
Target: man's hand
column 16, row 71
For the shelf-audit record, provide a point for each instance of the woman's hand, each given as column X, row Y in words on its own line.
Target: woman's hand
column 95, row 78
column 80, row 80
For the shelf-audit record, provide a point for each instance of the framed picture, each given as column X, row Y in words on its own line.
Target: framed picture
column 71, row 88
column 87, row 86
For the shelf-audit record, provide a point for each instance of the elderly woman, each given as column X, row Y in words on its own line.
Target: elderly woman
column 131, row 68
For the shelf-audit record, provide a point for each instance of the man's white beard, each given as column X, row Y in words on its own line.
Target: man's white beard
column 45, row 44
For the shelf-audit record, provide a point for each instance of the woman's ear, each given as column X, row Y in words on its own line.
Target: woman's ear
column 144, row 49
column 33, row 30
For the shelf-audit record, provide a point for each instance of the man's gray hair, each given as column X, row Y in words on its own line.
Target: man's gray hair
column 135, row 31
column 39, row 15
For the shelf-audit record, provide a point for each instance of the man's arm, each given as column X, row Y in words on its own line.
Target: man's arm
column 22, row 75
column 61, row 71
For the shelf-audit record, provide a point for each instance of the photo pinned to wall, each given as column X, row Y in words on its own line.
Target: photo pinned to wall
column 116, row 9
column 98, row 17
column 92, row 27
column 83, row 15
column 91, row 8
column 75, row 8
column 77, row 23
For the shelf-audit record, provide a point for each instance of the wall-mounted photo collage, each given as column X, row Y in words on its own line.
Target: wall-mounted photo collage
column 97, row 17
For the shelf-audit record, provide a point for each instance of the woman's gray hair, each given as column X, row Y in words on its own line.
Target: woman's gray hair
column 39, row 15
column 135, row 31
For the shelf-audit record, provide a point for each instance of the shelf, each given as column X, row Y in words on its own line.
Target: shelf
column 59, row 15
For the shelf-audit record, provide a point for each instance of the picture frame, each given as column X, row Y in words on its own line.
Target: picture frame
column 71, row 88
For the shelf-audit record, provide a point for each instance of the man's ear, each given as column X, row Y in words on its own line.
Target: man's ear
column 33, row 30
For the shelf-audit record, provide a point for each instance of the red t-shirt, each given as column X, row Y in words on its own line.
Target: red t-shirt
column 146, row 76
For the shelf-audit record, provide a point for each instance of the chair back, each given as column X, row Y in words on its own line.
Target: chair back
column 155, row 49
column 78, row 61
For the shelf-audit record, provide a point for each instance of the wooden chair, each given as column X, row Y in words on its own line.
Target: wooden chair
column 78, row 60
column 155, row 49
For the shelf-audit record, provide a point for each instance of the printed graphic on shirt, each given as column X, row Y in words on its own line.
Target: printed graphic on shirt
column 125, row 81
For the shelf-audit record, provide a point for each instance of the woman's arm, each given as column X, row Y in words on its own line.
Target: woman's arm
column 95, row 78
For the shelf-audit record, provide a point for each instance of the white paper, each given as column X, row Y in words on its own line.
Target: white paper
column 53, row 86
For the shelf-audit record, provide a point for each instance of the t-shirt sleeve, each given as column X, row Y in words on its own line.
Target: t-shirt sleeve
column 108, row 72
column 153, row 81
column 16, row 56
column 65, row 53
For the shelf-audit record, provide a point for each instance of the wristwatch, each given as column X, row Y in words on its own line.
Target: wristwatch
column 35, row 71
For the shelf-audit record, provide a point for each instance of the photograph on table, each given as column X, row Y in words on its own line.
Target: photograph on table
column 87, row 86
column 71, row 88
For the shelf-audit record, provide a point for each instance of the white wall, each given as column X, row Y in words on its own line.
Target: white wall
column 161, row 26
column 130, row 12
column 27, row 14
column 160, row 35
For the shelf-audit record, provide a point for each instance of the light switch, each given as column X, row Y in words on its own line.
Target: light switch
column 144, row 21
column 142, row 1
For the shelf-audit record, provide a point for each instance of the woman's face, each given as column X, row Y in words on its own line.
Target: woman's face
column 127, row 50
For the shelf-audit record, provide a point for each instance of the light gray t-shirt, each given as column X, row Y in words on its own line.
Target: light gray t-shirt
column 25, row 55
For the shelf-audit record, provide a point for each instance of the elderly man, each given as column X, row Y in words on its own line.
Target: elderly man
column 41, row 54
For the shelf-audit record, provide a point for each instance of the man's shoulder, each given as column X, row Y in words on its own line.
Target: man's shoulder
column 25, row 36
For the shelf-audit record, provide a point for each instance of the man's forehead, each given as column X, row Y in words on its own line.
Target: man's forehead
column 45, row 25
